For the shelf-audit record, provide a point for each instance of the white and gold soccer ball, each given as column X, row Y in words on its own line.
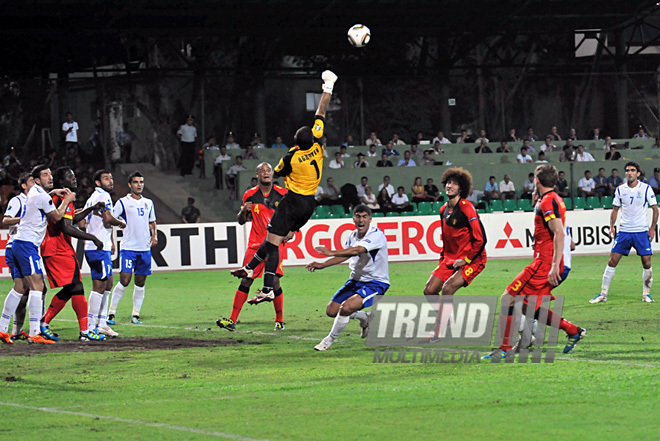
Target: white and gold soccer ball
column 359, row 35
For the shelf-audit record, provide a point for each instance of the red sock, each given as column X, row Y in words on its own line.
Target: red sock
column 79, row 304
column 564, row 324
column 278, row 303
column 239, row 300
column 506, row 345
column 56, row 305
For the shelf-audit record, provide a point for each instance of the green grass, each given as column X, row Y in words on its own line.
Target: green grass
column 274, row 386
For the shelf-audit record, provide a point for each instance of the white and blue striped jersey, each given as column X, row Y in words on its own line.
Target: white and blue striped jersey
column 95, row 224
column 567, row 248
column 15, row 209
column 371, row 266
column 32, row 227
column 137, row 213
column 634, row 203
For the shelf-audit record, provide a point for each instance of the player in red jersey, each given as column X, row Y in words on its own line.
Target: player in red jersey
column 259, row 204
column 60, row 261
column 463, row 254
column 544, row 273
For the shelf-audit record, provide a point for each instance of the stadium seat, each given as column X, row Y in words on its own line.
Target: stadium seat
column 592, row 202
column 425, row 208
column 569, row 203
column 393, row 214
column 321, row 211
column 496, row 205
column 337, row 211
column 525, row 205
column 580, row 203
column 510, row 205
column 408, row 213
column 606, row 202
column 377, row 214
column 481, row 210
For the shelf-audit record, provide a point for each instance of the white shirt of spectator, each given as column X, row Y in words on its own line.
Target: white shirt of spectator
column 233, row 146
column 442, row 141
column 221, row 158
column 72, row 136
column 335, row 164
column 137, row 213
column 32, row 227
column 390, row 189
column 587, row 184
column 371, row 266
column 585, row 157
column 507, row 187
column 95, row 225
column 634, row 203
column 400, row 200
column 188, row 133
column 523, row 159
column 402, row 163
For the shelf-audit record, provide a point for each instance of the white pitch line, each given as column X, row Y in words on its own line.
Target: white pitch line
column 622, row 363
column 131, row 421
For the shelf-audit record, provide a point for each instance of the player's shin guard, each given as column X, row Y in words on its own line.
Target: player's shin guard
column 117, row 294
column 647, row 278
column 338, row 326
column 608, row 275
column 259, row 256
column 11, row 303
column 278, row 303
column 35, row 307
column 103, row 311
column 94, row 303
column 239, row 300
column 270, row 266
column 138, row 298
column 56, row 304
column 79, row 304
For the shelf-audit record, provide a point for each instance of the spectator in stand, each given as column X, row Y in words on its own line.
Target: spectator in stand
column 569, row 153
column 601, row 188
column 384, row 201
column 328, row 195
column 531, row 137
column 344, row 153
column 504, row 147
column 369, row 199
column 554, row 134
column 217, row 166
column 562, row 186
column 507, row 189
column 387, row 186
column 211, row 144
column 528, row 187
column 654, row 182
column 512, row 136
column 441, row 138
column 278, row 144
column 11, row 159
column 482, row 137
column 492, row 191
column 612, row 155
column 463, row 138
column 572, row 135
column 523, row 157
column 586, row 185
column 427, row 159
column 541, row 159
column 608, row 143
column 400, row 201
column 256, row 142
column 232, row 172
column 437, row 148
column 642, row 177
column 337, row 162
column 361, row 188
column 187, row 134
column 415, row 152
column 389, row 150
column 548, row 146
column 483, row 147
column 249, row 153
column 583, row 156
column 407, row 160
column 372, row 151
column 349, row 197
column 231, row 142
column 384, row 162
column 70, row 132
column 349, row 141
column 396, row 140
column 361, row 162
column 596, row 135
column 657, row 144
column 474, row 197
column 373, row 139
column 418, row 193
column 190, row 214
column 528, row 145
column 614, row 180
column 125, row 140
column 431, row 191
column 641, row 133
column 419, row 137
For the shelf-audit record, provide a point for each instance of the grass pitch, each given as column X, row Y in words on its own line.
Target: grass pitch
column 260, row 384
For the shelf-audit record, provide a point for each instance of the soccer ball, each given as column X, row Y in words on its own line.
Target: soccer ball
column 359, row 35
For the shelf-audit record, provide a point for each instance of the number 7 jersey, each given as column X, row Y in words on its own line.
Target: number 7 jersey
column 137, row 213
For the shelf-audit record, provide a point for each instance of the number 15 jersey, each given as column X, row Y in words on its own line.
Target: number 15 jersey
column 137, row 213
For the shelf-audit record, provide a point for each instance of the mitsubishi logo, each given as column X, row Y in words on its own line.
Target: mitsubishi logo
column 502, row 242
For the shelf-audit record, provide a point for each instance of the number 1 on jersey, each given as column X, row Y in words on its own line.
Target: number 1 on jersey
column 316, row 167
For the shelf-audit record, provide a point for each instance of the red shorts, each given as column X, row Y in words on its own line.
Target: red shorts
column 533, row 280
column 469, row 271
column 258, row 271
column 62, row 270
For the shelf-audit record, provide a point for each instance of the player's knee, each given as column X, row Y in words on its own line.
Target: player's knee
column 77, row 289
column 430, row 290
column 331, row 310
column 245, row 285
column 64, row 294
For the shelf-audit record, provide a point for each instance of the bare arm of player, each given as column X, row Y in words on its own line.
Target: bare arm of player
column 311, row 267
column 154, row 233
column 109, row 219
column 613, row 216
column 557, row 229
column 57, row 214
column 654, row 222
column 73, row 231
column 9, row 221
column 112, row 241
column 82, row 214
column 347, row 252
column 244, row 215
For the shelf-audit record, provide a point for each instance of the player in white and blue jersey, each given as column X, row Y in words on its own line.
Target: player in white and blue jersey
column 10, row 220
column 366, row 247
column 139, row 236
column 633, row 198
column 39, row 209
column 569, row 246
column 100, row 223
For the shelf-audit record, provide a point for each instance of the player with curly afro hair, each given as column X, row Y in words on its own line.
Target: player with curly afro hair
column 461, row 177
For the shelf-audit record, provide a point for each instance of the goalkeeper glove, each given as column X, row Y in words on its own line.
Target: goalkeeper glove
column 329, row 79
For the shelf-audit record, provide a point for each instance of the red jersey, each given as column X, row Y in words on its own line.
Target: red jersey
column 463, row 234
column 56, row 242
column 551, row 206
column 263, row 207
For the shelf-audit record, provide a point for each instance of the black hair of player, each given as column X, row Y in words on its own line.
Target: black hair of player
column 632, row 164
column 361, row 208
column 462, row 177
column 136, row 174
column 36, row 171
column 23, row 179
column 547, row 175
column 100, row 173
column 304, row 138
column 58, row 176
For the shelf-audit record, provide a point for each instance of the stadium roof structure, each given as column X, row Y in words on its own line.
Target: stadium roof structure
column 42, row 36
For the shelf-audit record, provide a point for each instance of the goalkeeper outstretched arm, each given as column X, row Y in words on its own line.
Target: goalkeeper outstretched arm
column 329, row 79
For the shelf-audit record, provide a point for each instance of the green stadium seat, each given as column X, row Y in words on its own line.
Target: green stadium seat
column 425, row 208
column 481, row 210
column 592, row 202
column 606, row 202
column 569, row 203
column 321, row 211
column 337, row 211
column 510, row 205
column 393, row 214
column 580, row 203
column 408, row 213
column 496, row 205
column 377, row 214
column 525, row 205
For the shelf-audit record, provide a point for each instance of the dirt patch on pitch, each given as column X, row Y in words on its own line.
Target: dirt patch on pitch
column 22, row 348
